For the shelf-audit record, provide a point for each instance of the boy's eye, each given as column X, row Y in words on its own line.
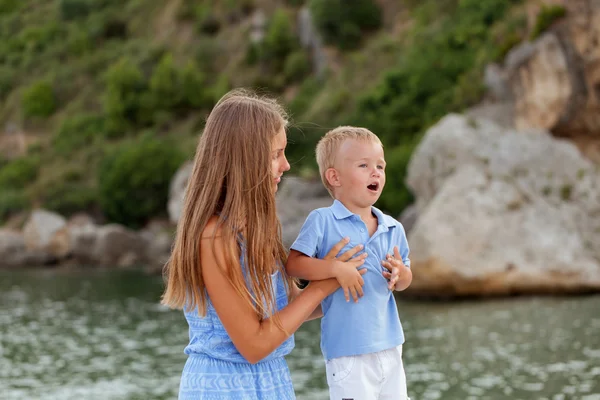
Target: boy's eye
column 380, row 167
column 362, row 165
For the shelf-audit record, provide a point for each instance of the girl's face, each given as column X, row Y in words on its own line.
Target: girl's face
column 279, row 164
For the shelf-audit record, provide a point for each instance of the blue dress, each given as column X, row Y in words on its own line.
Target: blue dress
column 215, row 370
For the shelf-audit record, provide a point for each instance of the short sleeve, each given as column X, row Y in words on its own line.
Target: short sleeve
column 403, row 246
column 311, row 235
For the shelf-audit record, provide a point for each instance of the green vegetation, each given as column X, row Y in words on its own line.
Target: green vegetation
column 134, row 180
column 342, row 23
column 113, row 93
column 547, row 16
column 38, row 100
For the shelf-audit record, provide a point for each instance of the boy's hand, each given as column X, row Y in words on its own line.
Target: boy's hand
column 346, row 267
column 396, row 270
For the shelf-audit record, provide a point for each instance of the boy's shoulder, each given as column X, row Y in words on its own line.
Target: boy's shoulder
column 321, row 213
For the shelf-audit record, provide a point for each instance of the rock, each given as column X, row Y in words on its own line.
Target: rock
column 408, row 218
column 258, row 26
column 117, row 246
column 47, row 231
column 495, row 82
column 13, row 252
column 311, row 40
column 177, row 191
column 502, row 212
column 159, row 238
column 556, row 79
column 83, row 235
column 296, row 198
column 500, row 113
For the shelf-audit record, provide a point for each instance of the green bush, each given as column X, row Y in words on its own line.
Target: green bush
column 165, row 85
column 11, row 202
column 194, row 89
column 7, row 77
column 279, row 41
column 78, row 131
column 126, row 100
column 18, row 173
column 106, row 25
column 342, row 22
column 9, row 6
column 178, row 90
column 207, row 23
column 38, row 99
column 68, row 198
column 547, row 16
column 74, row 9
column 297, row 66
column 134, row 181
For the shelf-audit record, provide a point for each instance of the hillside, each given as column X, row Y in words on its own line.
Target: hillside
column 101, row 100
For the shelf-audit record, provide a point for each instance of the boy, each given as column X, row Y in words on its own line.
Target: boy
column 361, row 341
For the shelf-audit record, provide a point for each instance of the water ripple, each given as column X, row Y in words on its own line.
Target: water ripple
column 103, row 335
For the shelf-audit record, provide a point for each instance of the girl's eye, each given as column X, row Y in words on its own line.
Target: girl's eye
column 380, row 167
column 362, row 165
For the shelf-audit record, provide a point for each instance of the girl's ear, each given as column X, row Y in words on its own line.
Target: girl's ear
column 332, row 177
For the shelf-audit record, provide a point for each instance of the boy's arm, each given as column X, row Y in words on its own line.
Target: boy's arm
column 300, row 263
column 302, row 266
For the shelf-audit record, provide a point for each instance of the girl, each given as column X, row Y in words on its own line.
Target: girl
column 227, row 265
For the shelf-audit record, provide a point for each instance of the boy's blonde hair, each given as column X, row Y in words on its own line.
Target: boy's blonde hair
column 329, row 145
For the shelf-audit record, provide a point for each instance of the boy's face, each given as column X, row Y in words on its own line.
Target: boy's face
column 360, row 177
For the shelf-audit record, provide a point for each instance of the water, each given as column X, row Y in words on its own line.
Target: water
column 102, row 335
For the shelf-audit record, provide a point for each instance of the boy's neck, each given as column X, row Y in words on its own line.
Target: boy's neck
column 365, row 213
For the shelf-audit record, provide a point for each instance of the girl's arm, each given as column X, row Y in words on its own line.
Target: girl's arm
column 253, row 338
column 343, row 269
column 317, row 312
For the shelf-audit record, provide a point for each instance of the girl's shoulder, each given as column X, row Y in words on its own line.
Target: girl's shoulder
column 212, row 228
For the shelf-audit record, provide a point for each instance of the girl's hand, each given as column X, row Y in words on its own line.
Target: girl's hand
column 347, row 275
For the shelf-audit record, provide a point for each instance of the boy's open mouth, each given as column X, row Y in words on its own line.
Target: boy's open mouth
column 373, row 187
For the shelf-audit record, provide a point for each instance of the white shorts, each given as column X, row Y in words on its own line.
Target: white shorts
column 373, row 376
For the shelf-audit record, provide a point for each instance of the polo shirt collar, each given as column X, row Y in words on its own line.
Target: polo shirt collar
column 341, row 212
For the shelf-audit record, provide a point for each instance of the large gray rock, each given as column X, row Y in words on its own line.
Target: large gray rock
column 118, row 246
column 83, row 235
column 47, row 231
column 14, row 253
column 502, row 211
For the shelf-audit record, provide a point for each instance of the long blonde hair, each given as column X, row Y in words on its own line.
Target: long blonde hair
column 232, row 178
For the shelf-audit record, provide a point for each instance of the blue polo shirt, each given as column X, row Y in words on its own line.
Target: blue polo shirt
column 372, row 324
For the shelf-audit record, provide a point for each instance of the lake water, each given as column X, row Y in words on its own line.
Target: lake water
column 102, row 335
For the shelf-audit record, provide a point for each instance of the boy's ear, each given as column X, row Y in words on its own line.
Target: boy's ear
column 332, row 177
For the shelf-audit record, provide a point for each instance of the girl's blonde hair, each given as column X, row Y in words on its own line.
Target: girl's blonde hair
column 232, row 178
